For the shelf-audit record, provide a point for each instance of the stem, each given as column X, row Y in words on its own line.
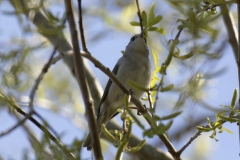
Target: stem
column 78, row 62
column 139, row 16
column 81, row 26
column 238, row 62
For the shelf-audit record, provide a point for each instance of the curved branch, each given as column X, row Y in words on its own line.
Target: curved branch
column 227, row 18
column 78, row 62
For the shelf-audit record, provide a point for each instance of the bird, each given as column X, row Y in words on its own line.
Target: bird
column 135, row 66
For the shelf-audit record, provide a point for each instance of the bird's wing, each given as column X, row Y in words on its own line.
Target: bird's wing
column 114, row 71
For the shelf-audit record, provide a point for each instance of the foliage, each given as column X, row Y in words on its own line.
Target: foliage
column 231, row 115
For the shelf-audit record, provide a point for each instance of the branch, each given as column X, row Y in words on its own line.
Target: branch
column 31, row 135
column 78, row 62
column 20, row 122
column 32, row 93
column 41, row 21
column 227, row 18
column 139, row 15
column 189, row 142
column 40, row 77
column 81, row 26
column 44, row 129
column 238, row 62
column 198, row 134
column 160, row 85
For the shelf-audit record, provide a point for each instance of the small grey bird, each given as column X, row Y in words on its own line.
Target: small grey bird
column 134, row 65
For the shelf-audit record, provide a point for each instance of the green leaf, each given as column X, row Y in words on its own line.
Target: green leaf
column 107, row 133
column 131, row 114
column 168, row 88
column 160, row 30
column 148, row 133
column 156, row 70
column 203, row 129
column 152, row 29
column 189, row 55
column 124, row 115
column 137, row 147
column 170, row 55
column 137, row 86
column 124, row 142
column 163, row 128
column 155, row 20
column 119, row 110
column 170, row 116
column 135, row 23
column 117, row 134
column 228, row 119
column 227, row 130
column 169, row 124
column 234, row 99
column 155, row 58
column 144, row 19
column 151, row 12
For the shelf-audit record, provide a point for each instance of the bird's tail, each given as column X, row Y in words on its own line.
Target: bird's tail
column 87, row 142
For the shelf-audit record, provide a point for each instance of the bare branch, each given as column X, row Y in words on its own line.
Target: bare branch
column 40, row 77
column 160, row 85
column 20, row 122
column 189, row 142
column 78, row 62
column 40, row 126
column 81, row 26
column 227, row 18
column 139, row 15
column 238, row 62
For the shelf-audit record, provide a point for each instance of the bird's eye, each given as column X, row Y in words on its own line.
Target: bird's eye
column 133, row 38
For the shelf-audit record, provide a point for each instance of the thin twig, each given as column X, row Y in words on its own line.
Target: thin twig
column 81, row 26
column 139, row 15
column 238, row 62
column 216, row 5
column 44, row 129
column 150, row 99
column 150, row 103
column 32, row 93
column 33, row 136
column 41, row 75
column 124, row 126
column 227, row 18
column 160, row 85
column 45, row 122
column 189, row 142
column 195, row 136
column 79, row 71
column 178, row 34
column 124, row 117
column 20, row 122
